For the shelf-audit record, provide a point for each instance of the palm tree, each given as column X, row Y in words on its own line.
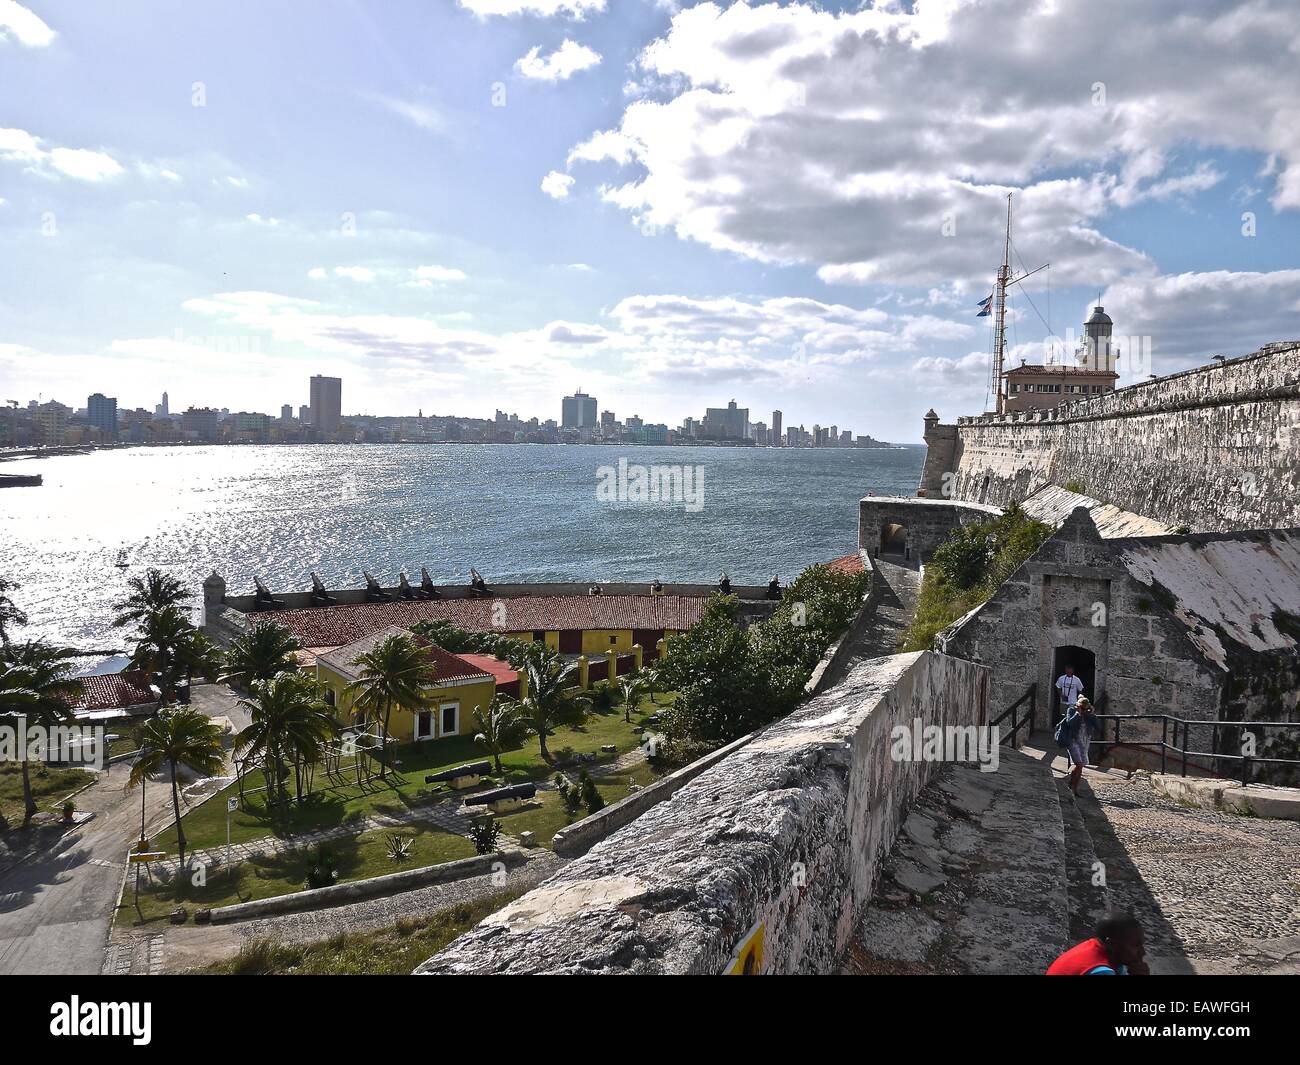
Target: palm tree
column 171, row 649
column 551, row 698
column 632, row 688
column 10, row 616
column 36, row 684
column 501, row 729
column 154, row 592
column 176, row 735
column 289, row 722
column 393, row 673
column 261, row 653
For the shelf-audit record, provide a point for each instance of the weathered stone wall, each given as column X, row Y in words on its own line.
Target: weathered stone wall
column 928, row 521
column 1075, row 593
column 1216, row 448
column 788, row 832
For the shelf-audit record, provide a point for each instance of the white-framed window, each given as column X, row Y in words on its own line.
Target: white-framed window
column 424, row 721
column 450, row 718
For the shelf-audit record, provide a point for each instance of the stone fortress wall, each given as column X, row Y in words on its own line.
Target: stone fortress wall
column 1215, row 448
column 778, row 845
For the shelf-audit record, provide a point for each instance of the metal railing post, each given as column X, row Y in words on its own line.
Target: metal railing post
column 1164, row 743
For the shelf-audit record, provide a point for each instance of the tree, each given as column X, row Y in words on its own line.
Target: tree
column 393, row 673
column 551, row 697
column 37, row 685
column 501, row 729
column 10, row 616
column 289, row 722
column 261, row 653
column 178, row 735
column 156, row 591
column 632, row 688
column 170, row 649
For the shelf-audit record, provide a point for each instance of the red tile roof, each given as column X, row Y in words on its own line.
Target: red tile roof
column 114, row 690
column 847, row 564
column 489, row 663
column 332, row 626
column 446, row 666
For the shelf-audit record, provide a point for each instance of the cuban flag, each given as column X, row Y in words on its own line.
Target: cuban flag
column 986, row 307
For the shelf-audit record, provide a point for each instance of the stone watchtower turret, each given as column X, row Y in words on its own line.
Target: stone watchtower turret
column 940, row 458
column 214, row 590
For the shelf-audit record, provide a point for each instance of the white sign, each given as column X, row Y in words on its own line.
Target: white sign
column 232, row 805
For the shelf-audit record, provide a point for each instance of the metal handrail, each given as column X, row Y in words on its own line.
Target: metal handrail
column 1165, row 745
column 1031, row 694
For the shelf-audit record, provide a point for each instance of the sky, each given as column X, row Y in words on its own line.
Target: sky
column 460, row 206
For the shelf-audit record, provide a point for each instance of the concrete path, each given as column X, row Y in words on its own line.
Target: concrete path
column 975, row 882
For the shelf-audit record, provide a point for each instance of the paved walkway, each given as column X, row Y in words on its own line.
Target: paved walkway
column 191, row 946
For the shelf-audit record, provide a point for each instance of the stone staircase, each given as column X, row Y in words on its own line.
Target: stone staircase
column 998, row 872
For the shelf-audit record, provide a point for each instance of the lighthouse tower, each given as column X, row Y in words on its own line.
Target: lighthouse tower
column 1097, row 351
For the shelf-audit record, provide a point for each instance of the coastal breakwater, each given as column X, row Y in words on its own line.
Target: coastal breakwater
column 1215, row 448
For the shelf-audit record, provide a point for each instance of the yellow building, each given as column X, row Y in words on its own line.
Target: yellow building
column 458, row 688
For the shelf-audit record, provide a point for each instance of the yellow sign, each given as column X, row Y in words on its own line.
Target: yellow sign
column 748, row 959
column 147, row 856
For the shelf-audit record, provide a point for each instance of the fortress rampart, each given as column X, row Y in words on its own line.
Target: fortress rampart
column 1216, row 448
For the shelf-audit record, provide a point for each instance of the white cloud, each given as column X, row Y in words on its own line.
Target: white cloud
column 24, row 26
column 439, row 273
column 557, row 185
column 560, row 65
column 879, row 144
column 262, row 220
column 82, row 164
column 412, row 277
column 419, row 113
column 573, row 8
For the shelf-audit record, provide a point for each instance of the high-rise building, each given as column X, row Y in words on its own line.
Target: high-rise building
column 286, row 412
column 326, row 404
column 776, row 429
column 162, row 410
column 726, row 423
column 578, row 411
column 101, row 412
column 200, row 423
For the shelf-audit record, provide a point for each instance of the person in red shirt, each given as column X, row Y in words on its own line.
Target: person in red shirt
column 1118, row 949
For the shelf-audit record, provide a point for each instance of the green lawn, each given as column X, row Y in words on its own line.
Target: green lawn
column 49, row 785
column 340, row 803
column 393, row 951
column 356, row 858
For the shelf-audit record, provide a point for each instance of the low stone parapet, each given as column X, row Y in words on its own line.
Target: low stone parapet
column 775, row 848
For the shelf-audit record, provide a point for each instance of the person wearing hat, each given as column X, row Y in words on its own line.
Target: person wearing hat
column 1080, row 725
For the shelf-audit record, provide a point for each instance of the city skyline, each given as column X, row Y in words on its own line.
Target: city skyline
column 456, row 220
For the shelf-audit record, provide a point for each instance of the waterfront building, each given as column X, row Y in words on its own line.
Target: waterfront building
column 162, row 410
column 200, row 423
column 52, row 417
column 326, row 404
column 101, row 412
column 776, row 428
column 725, row 423
column 578, row 411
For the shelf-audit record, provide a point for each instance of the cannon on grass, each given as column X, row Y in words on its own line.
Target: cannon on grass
column 462, row 777
column 503, row 800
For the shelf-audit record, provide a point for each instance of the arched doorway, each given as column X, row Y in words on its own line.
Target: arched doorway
column 893, row 538
column 1085, row 668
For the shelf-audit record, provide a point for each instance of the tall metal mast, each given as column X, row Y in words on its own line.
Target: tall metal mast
column 1000, row 326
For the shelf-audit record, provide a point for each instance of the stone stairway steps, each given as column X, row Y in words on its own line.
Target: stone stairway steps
column 1086, row 895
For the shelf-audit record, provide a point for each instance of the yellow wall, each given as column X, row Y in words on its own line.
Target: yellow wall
column 402, row 722
column 552, row 638
column 597, row 641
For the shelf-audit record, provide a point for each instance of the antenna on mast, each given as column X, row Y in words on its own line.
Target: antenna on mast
column 1000, row 326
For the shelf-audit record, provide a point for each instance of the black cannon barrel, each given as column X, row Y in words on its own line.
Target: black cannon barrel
column 474, row 769
column 514, row 791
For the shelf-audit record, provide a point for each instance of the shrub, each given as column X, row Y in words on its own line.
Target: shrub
column 484, row 833
column 591, row 797
column 321, row 870
column 570, row 795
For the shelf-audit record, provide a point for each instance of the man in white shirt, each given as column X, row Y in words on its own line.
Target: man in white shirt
column 1070, row 688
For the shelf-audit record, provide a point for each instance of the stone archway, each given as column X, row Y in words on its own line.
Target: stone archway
column 893, row 538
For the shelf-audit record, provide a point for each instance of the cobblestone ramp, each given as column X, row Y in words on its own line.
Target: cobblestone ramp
column 976, row 882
